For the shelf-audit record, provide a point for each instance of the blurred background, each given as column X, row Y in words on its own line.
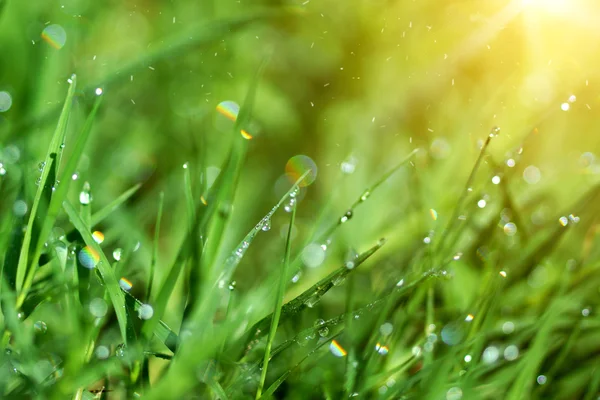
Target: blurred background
column 355, row 85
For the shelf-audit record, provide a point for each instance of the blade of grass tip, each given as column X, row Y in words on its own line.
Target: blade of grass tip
column 452, row 221
column 275, row 385
column 110, row 281
column 59, row 195
column 189, row 196
column 278, row 303
column 155, row 245
column 107, row 210
column 53, row 149
column 366, row 194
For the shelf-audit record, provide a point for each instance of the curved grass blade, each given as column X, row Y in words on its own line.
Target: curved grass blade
column 44, row 190
column 110, row 281
column 278, row 303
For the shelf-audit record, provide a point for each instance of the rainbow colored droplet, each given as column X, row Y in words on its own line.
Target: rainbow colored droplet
column 298, row 166
column 230, row 110
column 125, row 284
column 336, row 349
column 88, row 257
column 55, row 36
column 98, row 237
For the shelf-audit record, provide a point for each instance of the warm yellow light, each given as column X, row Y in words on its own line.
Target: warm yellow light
column 554, row 6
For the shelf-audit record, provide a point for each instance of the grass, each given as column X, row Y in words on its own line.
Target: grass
column 144, row 254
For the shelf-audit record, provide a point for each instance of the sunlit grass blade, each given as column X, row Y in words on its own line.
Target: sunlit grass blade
column 278, row 303
column 110, row 281
column 44, row 187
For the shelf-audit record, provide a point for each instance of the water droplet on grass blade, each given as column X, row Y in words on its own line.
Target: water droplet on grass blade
column 121, row 350
column 117, row 254
column 510, row 229
column 145, row 311
column 495, row 131
column 125, row 284
column 346, row 216
column 85, row 197
column 19, row 208
column 88, row 257
column 337, row 349
column 297, row 166
column 564, row 221
column 55, row 36
column 40, row 327
column 541, row 380
column 98, row 237
column 266, row 224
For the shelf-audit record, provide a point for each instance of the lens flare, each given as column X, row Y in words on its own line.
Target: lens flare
column 336, row 349
column 55, row 36
column 230, row 110
column 298, row 166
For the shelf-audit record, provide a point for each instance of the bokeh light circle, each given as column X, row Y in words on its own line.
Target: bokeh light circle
column 55, row 36
column 298, row 166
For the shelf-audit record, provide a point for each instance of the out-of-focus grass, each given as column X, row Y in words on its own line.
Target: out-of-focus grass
column 487, row 284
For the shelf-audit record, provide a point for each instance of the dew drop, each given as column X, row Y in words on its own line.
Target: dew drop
column 120, row 351
column 98, row 307
column 495, row 131
column 102, row 352
column 145, row 311
column 365, row 195
column 266, row 224
column 40, row 327
column 490, row 355
column 346, row 216
column 85, row 197
column 5, row 101
column 117, row 254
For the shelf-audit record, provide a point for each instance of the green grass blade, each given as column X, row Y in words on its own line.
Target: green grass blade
column 44, row 186
column 110, row 281
column 278, row 303
column 101, row 214
column 155, row 245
